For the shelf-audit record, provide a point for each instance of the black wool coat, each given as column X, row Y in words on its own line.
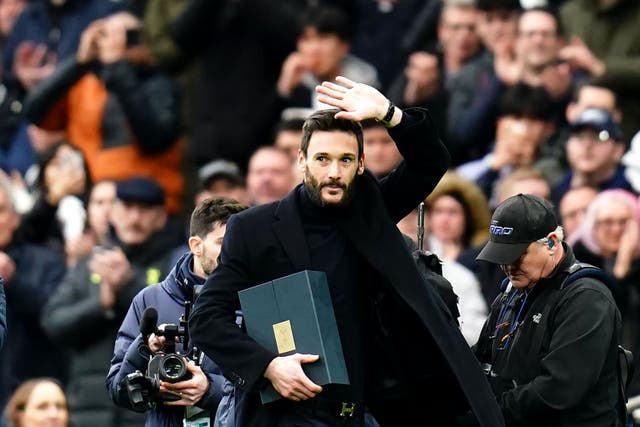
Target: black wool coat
column 418, row 366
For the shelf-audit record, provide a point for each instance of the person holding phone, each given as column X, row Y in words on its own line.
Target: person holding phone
column 115, row 106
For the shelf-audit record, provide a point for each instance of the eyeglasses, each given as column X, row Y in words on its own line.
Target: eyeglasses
column 609, row 223
column 542, row 33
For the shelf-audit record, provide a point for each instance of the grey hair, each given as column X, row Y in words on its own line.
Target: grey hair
column 559, row 232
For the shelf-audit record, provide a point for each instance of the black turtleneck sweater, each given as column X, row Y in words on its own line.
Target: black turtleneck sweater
column 330, row 251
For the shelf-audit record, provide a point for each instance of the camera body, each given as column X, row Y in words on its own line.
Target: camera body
column 168, row 365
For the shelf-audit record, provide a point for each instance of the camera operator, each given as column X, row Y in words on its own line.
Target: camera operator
column 204, row 389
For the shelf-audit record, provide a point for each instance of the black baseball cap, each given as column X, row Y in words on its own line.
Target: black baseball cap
column 599, row 120
column 140, row 189
column 515, row 224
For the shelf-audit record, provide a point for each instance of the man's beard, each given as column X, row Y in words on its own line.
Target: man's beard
column 314, row 188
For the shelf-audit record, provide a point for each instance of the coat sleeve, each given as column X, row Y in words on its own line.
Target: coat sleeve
column 30, row 291
column 45, row 104
column 151, row 105
column 212, row 322
column 212, row 397
column 126, row 357
column 579, row 345
column 425, row 161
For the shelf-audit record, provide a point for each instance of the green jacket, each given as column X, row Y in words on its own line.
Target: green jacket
column 612, row 34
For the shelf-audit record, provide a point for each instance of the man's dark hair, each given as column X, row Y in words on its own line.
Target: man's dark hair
column 324, row 120
column 494, row 5
column 294, row 125
column 549, row 11
column 371, row 123
column 328, row 19
column 575, row 94
column 525, row 101
column 212, row 212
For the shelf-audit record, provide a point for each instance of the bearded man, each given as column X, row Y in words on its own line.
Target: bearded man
column 394, row 329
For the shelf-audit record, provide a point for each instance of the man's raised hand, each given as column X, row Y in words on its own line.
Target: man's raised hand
column 358, row 101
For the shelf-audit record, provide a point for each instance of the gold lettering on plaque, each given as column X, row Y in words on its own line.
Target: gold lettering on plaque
column 284, row 337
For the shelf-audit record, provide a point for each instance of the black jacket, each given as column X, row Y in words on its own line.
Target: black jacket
column 28, row 352
column 409, row 329
column 570, row 378
column 74, row 317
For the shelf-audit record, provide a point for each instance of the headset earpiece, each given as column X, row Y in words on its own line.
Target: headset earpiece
column 550, row 243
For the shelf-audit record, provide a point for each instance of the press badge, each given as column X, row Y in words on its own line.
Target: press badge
column 196, row 417
column 201, row 422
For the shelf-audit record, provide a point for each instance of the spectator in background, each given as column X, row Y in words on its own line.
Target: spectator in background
column 608, row 238
column 289, row 131
column 431, row 76
column 457, row 217
column 9, row 12
column 603, row 38
column 538, row 42
column 537, row 62
column 31, row 274
column 594, row 150
column 589, row 94
column 38, row 402
column 10, row 104
column 457, row 220
column 631, row 162
column 401, row 24
column 269, row 177
column 473, row 104
column 523, row 127
column 288, row 136
column 239, row 48
column 322, row 54
column 46, row 33
column 573, row 207
column 101, row 198
column 122, row 113
column 381, row 155
column 586, row 94
column 58, row 215
column 526, row 180
column 221, row 178
column 90, row 303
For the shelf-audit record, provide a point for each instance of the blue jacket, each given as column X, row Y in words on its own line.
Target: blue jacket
column 168, row 298
column 59, row 28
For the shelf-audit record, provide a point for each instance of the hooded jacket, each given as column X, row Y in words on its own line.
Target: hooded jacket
column 168, row 298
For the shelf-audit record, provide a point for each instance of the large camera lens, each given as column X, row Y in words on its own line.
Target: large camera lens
column 173, row 368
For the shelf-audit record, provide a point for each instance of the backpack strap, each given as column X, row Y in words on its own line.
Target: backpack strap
column 583, row 269
column 626, row 370
column 625, row 367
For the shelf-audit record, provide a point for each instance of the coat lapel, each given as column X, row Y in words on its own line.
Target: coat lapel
column 287, row 227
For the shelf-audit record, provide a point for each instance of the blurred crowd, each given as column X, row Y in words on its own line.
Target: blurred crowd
column 117, row 117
